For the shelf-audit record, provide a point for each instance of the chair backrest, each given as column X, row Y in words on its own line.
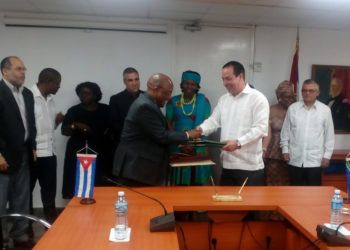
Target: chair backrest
column 29, row 217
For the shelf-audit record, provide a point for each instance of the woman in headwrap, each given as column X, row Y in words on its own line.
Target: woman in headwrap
column 85, row 122
column 185, row 112
column 275, row 167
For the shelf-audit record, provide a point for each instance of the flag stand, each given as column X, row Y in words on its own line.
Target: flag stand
column 86, row 148
column 88, row 200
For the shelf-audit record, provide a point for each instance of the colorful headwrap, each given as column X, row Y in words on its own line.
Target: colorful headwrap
column 191, row 75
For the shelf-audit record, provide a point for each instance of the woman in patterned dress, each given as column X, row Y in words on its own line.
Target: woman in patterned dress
column 185, row 112
column 275, row 167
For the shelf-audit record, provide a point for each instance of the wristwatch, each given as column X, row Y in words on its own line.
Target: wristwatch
column 238, row 144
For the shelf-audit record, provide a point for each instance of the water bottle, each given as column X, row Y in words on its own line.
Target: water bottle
column 336, row 207
column 121, row 211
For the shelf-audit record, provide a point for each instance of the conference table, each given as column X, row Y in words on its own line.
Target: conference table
column 88, row 226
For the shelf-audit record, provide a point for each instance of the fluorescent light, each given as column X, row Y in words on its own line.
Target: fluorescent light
column 23, row 21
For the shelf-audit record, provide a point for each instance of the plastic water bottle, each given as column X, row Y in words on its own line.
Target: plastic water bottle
column 121, row 211
column 336, row 207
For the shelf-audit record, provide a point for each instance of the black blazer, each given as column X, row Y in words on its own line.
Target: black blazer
column 142, row 154
column 12, row 144
column 119, row 106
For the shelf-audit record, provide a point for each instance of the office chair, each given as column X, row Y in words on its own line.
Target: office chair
column 6, row 217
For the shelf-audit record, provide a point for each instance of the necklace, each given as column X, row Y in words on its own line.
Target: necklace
column 193, row 102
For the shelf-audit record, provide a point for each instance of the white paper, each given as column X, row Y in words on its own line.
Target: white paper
column 113, row 239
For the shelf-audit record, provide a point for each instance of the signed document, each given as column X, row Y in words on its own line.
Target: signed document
column 206, row 143
column 186, row 160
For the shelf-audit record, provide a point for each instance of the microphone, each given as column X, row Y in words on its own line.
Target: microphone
column 331, row 236
column 162, row 223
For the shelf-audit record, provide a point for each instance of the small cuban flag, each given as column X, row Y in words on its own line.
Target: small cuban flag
column 85, row 175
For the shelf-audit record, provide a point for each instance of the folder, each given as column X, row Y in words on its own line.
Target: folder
column 206, row 143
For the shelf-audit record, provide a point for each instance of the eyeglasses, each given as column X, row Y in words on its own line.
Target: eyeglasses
column 309, row 90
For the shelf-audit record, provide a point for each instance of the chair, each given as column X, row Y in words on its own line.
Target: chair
column 7, row 217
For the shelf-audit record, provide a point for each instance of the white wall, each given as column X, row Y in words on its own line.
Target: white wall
column 101, row 56
column 274, row 48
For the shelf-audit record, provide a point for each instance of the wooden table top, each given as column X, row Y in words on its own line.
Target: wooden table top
column 87, row 226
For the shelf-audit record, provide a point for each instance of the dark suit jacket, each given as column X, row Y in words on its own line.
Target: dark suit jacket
column 12, row 144
column 142, row 154
column 119, row 105
column 340, row 113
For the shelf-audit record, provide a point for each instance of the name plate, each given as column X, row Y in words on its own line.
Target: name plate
column 227, row 197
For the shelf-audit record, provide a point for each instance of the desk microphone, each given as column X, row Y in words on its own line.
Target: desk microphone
column 162, row 223
column 331, row 236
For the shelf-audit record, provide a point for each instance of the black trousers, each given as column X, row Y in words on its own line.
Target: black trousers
column 301, row 176
column 44, row 170
column 236, row 177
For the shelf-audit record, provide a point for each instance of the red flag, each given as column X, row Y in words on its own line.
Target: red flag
column 294, row 73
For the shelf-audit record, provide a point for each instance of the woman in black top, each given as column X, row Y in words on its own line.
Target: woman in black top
column 85, row 122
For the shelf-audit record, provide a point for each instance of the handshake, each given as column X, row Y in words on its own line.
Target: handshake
column 194, row 133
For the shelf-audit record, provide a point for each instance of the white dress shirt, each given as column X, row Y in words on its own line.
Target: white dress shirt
column 307, row 134
column 18, row 95
column 45, row 115
column 244, row 117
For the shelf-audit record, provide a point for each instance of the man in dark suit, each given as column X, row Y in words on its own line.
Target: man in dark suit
column 339, row 105
column 119, row 105
column 142, row 157
column 121, row 102
column 17, row 143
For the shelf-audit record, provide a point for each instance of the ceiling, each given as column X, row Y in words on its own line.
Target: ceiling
column 333, row 14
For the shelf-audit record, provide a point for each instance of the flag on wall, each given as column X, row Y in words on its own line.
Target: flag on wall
column 85, row 175
column 294, row 73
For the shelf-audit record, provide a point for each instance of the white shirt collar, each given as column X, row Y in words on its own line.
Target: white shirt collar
column 247, row 90
column 12, row 87
column 37, row 93
column 314, row 106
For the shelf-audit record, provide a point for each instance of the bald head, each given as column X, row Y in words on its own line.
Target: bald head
column 159, row 80
column 160, row 87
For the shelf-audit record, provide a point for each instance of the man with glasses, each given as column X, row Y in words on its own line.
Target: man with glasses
column 307, row 137
column 17, row 144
